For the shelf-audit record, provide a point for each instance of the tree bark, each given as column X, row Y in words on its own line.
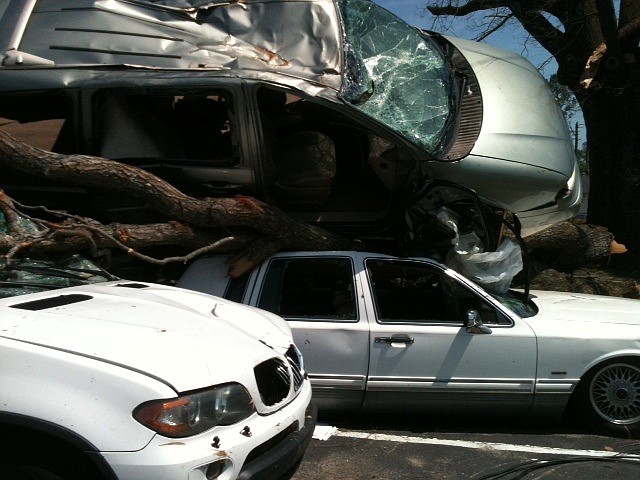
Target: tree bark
column 577, row 257
column 269, row 229
column 598, row 59
column 587, row 280
column 569, row 245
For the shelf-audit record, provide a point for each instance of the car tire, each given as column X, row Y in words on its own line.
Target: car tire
column 607, row 399
column 31, row 473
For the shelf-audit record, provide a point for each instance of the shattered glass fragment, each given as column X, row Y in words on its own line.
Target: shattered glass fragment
column 395, row 74
column 24, row 275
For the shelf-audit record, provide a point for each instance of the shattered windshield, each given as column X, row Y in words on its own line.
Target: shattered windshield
column 21, row 276
column 396, row 75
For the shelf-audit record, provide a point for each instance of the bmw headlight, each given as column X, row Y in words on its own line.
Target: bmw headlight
column 196, row 412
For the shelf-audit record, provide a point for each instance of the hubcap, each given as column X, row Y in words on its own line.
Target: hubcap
column 622, row 393
column 615, row 393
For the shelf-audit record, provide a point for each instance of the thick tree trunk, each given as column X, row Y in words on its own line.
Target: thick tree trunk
column 272, row 229
column 613, row 132
column 577, row 257
column 570, row 245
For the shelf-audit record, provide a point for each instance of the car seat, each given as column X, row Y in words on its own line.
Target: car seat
column 305, row 164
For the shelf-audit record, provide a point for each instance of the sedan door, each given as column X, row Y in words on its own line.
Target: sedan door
column 422, row 356
column 321, row 301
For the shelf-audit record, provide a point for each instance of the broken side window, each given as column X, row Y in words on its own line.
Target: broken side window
column 165, row 126
column 189, row 139
column 318, row 159
column 310, row 289
column 42, row 120
column 396, row 75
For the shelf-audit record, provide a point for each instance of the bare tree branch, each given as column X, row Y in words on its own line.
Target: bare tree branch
column 547, row 35
column 472, row 6
column 495, row 28
column 608, row 24
column 528, row 13
column 272, row 229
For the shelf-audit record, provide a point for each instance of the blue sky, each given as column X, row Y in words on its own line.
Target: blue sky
column 512, row 38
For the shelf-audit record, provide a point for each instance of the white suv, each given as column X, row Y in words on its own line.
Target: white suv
column 113, row 379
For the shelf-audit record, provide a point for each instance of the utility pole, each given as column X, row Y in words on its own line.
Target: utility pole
column 575, row 146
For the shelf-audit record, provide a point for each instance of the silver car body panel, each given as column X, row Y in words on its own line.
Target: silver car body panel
column 524, row 142
column 230, row 36
column 526, row 364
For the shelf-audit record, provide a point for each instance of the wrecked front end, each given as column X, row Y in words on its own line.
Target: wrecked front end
column 481, row 116
column 394, row 106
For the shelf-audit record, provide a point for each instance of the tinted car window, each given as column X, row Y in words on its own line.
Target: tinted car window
column 236, row 288
column 318, row 159
column 191, row 126
column 310, row 288
column 42, row 120
column 410, row 292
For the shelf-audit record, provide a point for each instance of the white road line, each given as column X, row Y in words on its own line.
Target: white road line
column 505, row 447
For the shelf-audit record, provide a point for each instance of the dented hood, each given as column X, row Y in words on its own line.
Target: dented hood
column 516, row 122
column 188, row 340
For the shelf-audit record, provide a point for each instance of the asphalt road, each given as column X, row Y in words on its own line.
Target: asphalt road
column 368, row 447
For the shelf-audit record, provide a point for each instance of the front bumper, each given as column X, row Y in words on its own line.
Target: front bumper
column 280, row 457
column 272, row 449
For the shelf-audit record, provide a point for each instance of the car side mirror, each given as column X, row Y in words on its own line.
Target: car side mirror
column 474, row 323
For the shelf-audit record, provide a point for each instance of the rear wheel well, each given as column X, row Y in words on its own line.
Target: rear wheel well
column 586, row 376
column 29, row 453
column 607, row 398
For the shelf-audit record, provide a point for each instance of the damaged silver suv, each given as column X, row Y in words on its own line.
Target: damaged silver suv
column 336, row 111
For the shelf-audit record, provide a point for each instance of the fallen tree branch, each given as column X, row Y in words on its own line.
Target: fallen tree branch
column 78, row 233
column 270, row 228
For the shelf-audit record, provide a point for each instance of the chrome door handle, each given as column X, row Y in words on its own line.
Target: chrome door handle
column 398, row 338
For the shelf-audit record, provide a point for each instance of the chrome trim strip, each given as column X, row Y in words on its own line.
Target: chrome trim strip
column 457, row 384
column 344, row 382
column 565, row 385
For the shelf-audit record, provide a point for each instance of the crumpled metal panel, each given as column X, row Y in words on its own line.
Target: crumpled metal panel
column 297, row 38
column 396, row 75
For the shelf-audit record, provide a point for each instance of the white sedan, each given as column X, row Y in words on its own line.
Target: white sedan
column 400, row 334
column 121, row 380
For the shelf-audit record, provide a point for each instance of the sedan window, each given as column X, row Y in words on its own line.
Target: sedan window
column 310, row 289
column 517, row 303
column 411, row 292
